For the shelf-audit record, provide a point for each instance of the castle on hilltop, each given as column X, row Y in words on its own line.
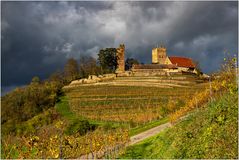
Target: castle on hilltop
column 161, row 63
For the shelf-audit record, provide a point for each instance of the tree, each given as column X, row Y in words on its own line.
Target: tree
column 71, row 70
column 88, row 66
column 129, row 63
column 108, row 59
column 56, row 82
column 56, row 77
column 35, row 80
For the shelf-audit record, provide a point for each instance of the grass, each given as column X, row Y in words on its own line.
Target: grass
column 62, row 107
column 76, row 123
column 147, row 126
column 208, row 133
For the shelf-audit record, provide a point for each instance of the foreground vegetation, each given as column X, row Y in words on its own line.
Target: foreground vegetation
column 210, row 130
column 66, row 136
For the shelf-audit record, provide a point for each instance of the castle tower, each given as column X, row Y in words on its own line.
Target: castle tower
column 120, row 54
column 159, row 55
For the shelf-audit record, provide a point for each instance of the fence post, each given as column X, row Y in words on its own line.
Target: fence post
column 60, row 147
column 210, row 82
column 236, row 67
column 196, row 103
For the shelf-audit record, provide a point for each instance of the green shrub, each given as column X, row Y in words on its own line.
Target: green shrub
column 79, row 126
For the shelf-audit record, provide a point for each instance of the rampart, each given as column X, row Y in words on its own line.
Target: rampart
column 94, row 79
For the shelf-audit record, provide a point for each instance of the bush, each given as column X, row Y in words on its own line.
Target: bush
column 80, row 126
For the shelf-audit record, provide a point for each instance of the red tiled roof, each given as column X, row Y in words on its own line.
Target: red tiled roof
column 182, row 61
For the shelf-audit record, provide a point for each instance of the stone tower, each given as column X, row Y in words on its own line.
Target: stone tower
column 120, row 60
column 159, row 55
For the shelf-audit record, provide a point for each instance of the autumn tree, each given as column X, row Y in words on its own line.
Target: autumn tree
column 108, row 60
column 71, row 70
column 35, row 80
column 55, row 82
column 129, row 63
column 56, row 77
column 26, row 102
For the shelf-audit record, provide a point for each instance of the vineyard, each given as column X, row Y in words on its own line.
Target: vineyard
column 129, row 104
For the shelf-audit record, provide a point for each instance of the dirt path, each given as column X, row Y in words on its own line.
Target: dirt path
column 146, row 134
column 135, row 139
column 153, row 131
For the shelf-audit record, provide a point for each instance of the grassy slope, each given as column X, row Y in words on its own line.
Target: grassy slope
column 147, row 126
column 210, row 132
column 63, row 108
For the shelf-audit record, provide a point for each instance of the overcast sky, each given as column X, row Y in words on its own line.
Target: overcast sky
column 38, row 37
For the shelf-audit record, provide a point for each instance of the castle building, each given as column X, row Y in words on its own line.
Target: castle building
column 159, row 56
column 161, row 63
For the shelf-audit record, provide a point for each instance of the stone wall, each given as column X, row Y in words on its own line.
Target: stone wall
column 94, row 79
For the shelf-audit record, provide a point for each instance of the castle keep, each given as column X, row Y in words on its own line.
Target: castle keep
column 159, row 55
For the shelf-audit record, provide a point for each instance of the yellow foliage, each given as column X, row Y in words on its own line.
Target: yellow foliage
column 224, row 81
column 73, row 146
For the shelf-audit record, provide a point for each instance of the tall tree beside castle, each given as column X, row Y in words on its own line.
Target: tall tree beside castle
column 108, row 60
column 130, row 62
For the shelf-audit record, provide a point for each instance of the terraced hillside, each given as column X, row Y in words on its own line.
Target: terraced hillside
column 135, row 100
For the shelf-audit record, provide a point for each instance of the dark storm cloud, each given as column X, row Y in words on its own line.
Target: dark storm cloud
column 23, row 39
column 38, row 37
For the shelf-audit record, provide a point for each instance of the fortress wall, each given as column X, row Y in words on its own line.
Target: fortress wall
column 94, row 79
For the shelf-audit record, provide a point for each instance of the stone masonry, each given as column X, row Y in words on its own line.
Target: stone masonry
column 120, row 54
column 159, row 55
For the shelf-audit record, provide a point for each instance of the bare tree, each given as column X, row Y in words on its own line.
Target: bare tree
column 71, row 70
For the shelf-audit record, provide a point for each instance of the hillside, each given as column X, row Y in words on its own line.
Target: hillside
column 209, row 132
column 97, row 120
